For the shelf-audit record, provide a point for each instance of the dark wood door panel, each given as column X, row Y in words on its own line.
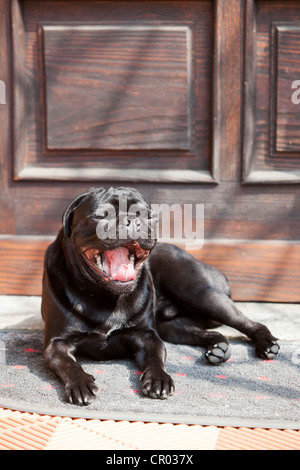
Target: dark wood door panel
column 287, row 110
column 188, row 101
column 271, row 118
column 256, row 271
column 126, row 87
column 231, row 211
column 113, row 85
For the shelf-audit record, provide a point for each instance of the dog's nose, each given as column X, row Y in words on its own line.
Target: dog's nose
column 133, row 227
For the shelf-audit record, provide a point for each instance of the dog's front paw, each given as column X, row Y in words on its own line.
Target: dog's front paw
column 82, row 390
column 157, row 384
column 218, row 353
column 267, row 350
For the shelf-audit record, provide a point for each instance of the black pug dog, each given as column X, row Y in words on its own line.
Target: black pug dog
column 119, row 296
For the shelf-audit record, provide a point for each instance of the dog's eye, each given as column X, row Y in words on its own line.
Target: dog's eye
column 99, row 216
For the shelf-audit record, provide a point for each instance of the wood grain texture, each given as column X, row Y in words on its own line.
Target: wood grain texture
column 263, row 92
column 134, row 81
column 263, row 271
column 287, row 138
column 228, row 85
column 7, row 209
column 112, row 86
column 231, row 211
column 256, row 271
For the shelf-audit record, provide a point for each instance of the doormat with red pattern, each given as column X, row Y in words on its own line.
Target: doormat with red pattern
column 244, row 391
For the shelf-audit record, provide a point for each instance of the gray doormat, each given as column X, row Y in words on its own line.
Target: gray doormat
column 245, row 391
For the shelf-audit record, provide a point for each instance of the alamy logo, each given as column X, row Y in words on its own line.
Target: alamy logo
column 2, row 92
column 176, row 223
column 296, row 94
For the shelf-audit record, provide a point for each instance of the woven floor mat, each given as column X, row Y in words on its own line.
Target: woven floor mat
column 243, row 392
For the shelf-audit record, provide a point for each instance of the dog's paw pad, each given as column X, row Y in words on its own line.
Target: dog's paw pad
column 271, row 351
column 218, row 353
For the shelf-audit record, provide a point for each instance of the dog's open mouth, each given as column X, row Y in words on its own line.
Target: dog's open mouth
column 120, row 264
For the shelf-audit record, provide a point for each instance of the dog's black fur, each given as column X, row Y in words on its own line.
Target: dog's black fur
column 174, row 298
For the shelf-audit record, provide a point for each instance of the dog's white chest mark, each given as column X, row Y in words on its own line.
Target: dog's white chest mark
column 118, row 318
column 78, row 308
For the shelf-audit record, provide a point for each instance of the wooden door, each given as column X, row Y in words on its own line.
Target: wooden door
column 189, row 102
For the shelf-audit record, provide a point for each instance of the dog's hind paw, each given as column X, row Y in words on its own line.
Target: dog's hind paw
column 268, row 352
column 218, row 353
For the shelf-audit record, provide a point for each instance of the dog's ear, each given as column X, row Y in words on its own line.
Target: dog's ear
column 68, row 214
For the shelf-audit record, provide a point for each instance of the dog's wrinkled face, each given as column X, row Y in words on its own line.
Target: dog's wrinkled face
column 111, row 233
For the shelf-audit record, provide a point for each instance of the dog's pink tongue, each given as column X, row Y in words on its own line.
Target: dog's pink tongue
column 125, row 272
column 119, row 265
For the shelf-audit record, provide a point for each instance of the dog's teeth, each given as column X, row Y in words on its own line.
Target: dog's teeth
column 131, row 259
column 98, row 262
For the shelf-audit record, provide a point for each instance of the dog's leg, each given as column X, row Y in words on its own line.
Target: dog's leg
column 183, row 330
column 221, row 308
column 150, row 356
column 80, row 388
